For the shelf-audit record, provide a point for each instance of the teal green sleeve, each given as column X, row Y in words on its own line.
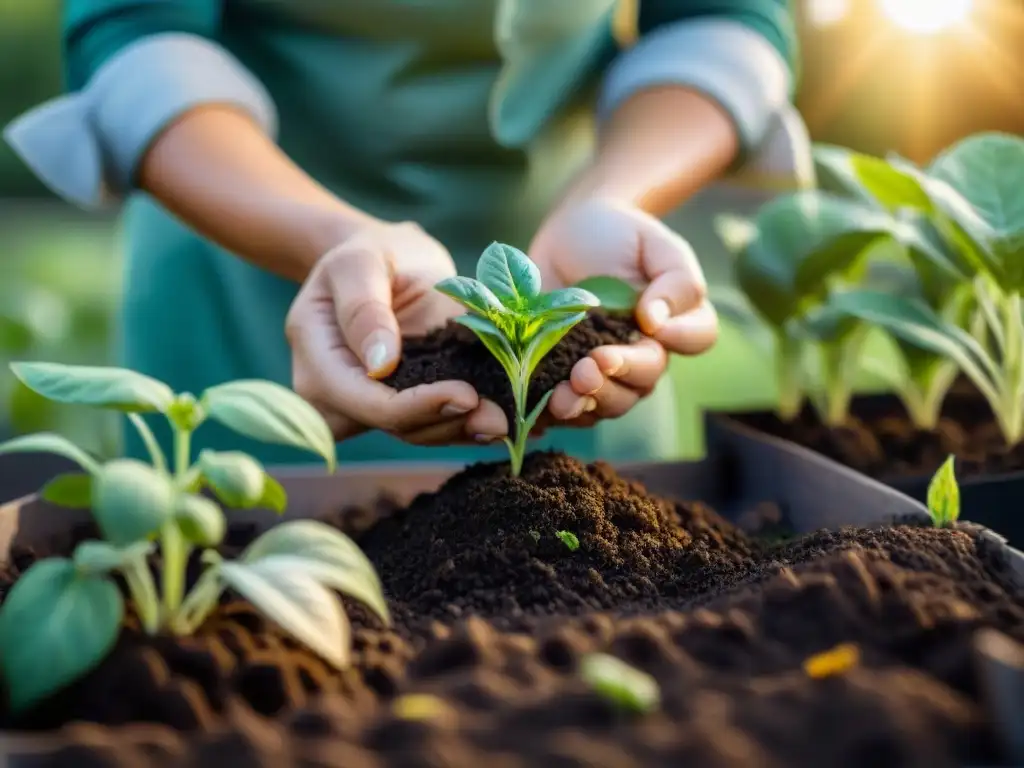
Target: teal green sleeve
column 772, row 19
column 95, row 30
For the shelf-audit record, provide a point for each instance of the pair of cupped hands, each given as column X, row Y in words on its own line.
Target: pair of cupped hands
column 346, row 325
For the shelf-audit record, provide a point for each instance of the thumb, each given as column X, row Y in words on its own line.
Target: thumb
column 360, row 284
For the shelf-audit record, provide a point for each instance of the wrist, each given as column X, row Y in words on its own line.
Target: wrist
column 326, row 227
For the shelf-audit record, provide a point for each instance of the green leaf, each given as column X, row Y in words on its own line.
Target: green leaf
column 471, row 294
column 296, row 602
column 236, row 478
column 802, row 240
column 72, row 490
column 47, row 442
column 271, row 413
column 327, row 554
column 624, row 686
column 55, row 626
column 611, row 293
column 131, row 500
column 891, row 186
column 201, row 521
column 571, row 541
column 546, row 338
column 835, row 175
column 573, row 299
column 915, row 322
column 97, row 386
column 509, row 274
column 274, row 496
column 97, row 558
column 495, row 341
column 944, row 495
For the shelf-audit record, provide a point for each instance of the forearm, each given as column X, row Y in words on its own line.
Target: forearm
column 658, row 148
column 221, row 174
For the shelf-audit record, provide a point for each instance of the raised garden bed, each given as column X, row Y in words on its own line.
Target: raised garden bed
column 493, row 614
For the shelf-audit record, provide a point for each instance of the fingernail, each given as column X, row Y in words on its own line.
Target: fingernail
column 589, row 404
column 451, row 410
column 484, row 439
column 658, row 312
column 578, row 410
column 377, row 354
column 615, row 363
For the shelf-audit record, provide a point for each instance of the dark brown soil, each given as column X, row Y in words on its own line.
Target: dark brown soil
column 881, row 441
column 455, row 353
column 494, row 620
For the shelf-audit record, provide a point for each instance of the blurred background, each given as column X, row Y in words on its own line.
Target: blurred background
column 910, row 76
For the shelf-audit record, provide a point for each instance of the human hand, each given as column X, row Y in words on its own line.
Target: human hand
column 601, row 237
column 345, row 329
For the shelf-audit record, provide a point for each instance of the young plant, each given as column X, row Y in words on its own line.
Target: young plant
column 790, row 261
column 625, row 687
column 63, row 615
column 972, row 195
column 944, row 495
column 518, row 324
column 570, row 539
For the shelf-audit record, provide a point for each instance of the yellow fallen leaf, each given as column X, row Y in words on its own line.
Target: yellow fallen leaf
column 833, row 662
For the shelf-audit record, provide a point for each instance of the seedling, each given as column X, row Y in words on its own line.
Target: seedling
column 944, row 495
column 626, row 687
column 790, row 261
column 518, row 324
column 63, row 616
column 972, row 196
column 571, row 541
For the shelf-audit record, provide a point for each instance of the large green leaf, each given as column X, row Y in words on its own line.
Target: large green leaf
column 509, row 274
column 326, row 553
column 835, row 173
column 46, row 442
column 546, row 338
column 296, row 602
column 97, row 386
column 131, row 501
column 55, row 626
column 271, row 413
column 916, row 323
column 889, row 185
column 471, row 294
column 574, row 299
column 802, row 240
column 494, row 340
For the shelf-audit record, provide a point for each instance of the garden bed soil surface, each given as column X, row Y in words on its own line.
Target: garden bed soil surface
column 493, row 614
column 880, row 440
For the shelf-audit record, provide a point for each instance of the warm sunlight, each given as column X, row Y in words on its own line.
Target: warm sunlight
column 926, row 17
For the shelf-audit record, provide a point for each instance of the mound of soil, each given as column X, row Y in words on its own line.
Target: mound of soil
column 881, row 441
column 455, row 353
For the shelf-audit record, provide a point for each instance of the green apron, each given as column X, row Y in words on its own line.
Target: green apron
column 391, row 105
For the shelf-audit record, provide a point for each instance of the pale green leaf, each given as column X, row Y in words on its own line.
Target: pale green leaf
column 624, row 686
column 471, row 294
column 274, row 497
column 100, row 557
column 495, row 341
column 891, row 186
column 297, row 603
column 270, row 413
column 235, row 478
column 509, row 274
column 735, row 232
column 97, row 386
column 131, row 500
column 55, row 626
column 538, row 409
column 72, row 490
column 201, row 521
column 575, row 299
column 944, row 495
column 546, row 338
column 611, row 293
column 316, row 542
column 47, row 442
column 569, row 539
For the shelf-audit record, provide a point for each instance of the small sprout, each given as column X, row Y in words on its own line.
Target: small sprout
column 570, row 540
column 418, row 706
column 944, row 495
column 832, row 662
column 535, row 535
column 518, row 324
column 624, row 686
column 63, row 616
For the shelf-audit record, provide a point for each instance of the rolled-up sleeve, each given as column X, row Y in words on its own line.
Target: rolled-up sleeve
column 740, row 53
column 133, row 68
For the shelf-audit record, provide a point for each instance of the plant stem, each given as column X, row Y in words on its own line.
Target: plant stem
column 197, row 606
column 1012, row 416
column 140, row 583
column 175, row 548
column 789, row 375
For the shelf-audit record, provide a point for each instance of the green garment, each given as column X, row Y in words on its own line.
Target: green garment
column 407, row 110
